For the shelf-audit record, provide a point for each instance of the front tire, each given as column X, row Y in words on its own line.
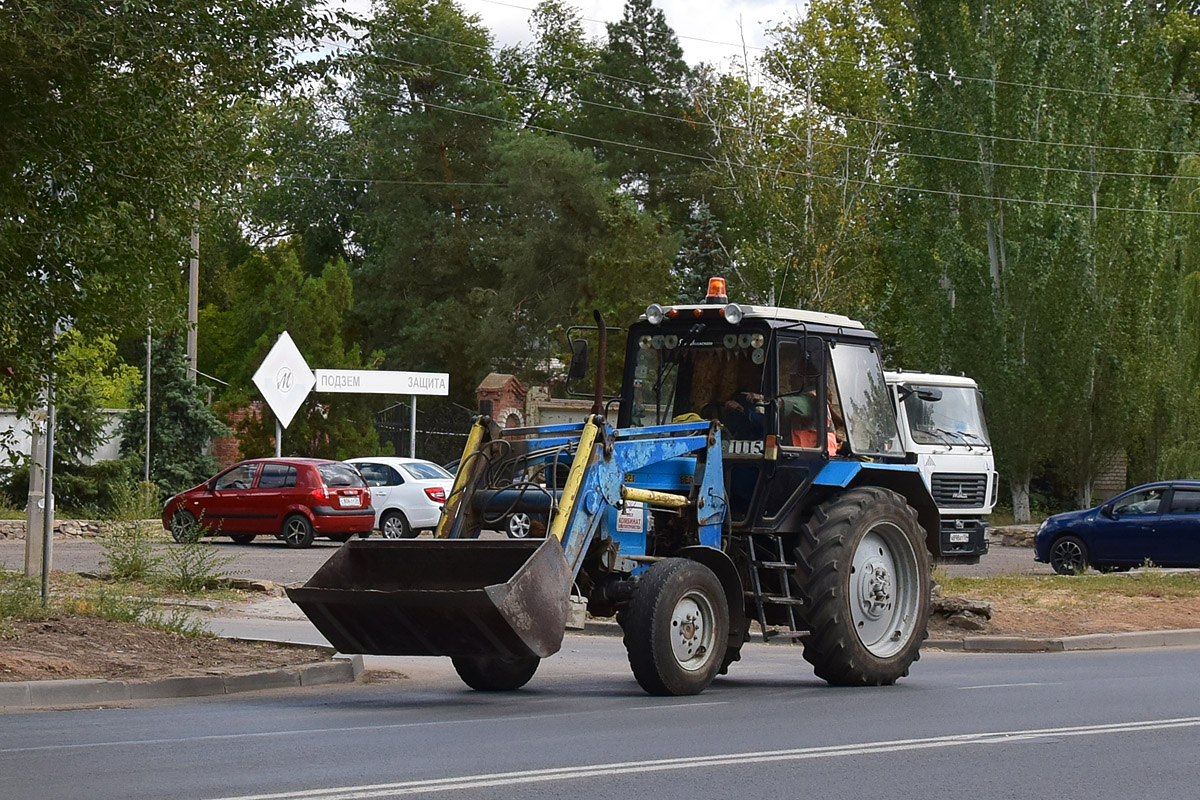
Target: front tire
column 1069, row 556
column 297, row 532
column 394, row 525
column 677, row 628
column 863, row 573
column 183, row 526
column 489, row 674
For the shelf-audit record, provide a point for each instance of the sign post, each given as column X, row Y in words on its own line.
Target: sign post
column 368, row 381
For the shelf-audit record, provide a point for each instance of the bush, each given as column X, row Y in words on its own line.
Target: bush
column 192, row 564
column 128, row 539
column 76, row 486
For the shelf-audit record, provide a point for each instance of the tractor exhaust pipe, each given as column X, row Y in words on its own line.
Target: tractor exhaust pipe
column 601, row 363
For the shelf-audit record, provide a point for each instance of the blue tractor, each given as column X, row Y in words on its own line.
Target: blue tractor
column 754, row 483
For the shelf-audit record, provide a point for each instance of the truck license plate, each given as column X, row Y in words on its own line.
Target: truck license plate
column 344, row 501
column 955, row 538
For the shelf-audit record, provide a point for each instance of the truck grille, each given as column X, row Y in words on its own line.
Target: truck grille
column 951, row 490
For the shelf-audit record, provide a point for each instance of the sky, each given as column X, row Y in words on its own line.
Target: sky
column 709, row 30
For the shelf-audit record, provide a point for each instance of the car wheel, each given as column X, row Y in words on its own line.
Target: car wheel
column 1068, row 556
column 242, row 538
column 393, row 525
column 297, row 531
column 518, row 525
column 183, row 526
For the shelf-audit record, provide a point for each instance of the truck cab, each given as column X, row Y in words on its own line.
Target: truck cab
column 942, row 427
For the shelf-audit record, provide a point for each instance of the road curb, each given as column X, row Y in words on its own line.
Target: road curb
column 88, row 692
column 1061, row 644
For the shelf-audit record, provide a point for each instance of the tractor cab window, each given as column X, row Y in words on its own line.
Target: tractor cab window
column 805, row 408
column 863, row 401
column 699, row 376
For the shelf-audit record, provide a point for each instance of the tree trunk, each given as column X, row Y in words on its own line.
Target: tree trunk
column 1020, row 499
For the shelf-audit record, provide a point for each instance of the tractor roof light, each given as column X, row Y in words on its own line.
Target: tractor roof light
column 716, row 292
column 733, row 313
column 655, row 314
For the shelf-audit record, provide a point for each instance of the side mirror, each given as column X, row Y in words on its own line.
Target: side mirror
column 579, row 360
column 929, row 395
column 1107, row 510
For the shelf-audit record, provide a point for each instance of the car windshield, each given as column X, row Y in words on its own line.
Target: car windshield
column 339, row 476
column 424, row 471
column 870, row 420
column 955, row 419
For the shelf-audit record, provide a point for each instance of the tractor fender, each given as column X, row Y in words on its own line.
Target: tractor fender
column 903, row 479
column 722, row 566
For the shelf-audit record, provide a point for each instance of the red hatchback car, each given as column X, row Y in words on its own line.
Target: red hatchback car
column 295, row 499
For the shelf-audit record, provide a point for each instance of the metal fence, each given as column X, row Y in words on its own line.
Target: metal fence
column 442, row 428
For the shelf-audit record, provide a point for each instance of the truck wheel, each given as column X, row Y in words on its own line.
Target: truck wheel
column 488, row 674
column 863, row 573
column 676, row 628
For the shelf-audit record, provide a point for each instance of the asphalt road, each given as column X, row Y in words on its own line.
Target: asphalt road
column 1096, row 725
column 270, row 559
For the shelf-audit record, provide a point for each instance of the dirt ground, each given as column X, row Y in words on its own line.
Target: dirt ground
column 1057, row 616
column 90, row 647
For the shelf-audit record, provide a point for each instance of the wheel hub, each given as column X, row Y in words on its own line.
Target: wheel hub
column 691, row 632
column 875, row 590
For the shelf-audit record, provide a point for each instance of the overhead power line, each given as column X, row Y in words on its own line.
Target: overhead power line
column 914, row 70
column 827, row 142
column 842, row 117
column 796, row 173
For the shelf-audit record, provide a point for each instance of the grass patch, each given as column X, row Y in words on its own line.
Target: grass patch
column 1057, row 591
column 118, row 600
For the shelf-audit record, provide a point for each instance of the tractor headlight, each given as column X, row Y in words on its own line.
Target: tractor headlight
column 655, row 314
column 733, row 313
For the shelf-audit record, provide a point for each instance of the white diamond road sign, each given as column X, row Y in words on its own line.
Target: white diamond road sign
column 284, row 379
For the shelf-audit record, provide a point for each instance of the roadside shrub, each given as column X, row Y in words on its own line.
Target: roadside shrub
column 76, row 486
column 192, row 564
column 20, row 596
column 177, row 620
column 128, row 538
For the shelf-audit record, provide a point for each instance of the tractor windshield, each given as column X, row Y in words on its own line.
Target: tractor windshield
column 702, row 376
column 870, row 419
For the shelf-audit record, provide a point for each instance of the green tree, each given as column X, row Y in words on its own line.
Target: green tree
column 114, row 119
column 270, row 293
column 182, row 426
column 640, row 113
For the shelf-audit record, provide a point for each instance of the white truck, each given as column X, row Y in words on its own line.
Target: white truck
column 941, row 420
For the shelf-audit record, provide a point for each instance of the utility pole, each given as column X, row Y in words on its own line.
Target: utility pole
column 35, row 507
column 48, row 516
column 193, row 293
column 149, row 344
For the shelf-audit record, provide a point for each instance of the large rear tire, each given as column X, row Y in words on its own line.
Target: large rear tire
column 863, row 573
column 677, row 628
column 488, row 674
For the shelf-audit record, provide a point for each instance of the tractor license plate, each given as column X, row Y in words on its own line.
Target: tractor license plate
column 349, row 502
column 955, row 538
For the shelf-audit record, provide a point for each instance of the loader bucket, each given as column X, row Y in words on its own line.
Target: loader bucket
column 503, row 598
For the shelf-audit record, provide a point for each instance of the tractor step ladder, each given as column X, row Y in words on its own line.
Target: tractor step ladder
column 769, row 571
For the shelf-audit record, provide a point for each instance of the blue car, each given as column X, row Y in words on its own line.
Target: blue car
column 1157, row 522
